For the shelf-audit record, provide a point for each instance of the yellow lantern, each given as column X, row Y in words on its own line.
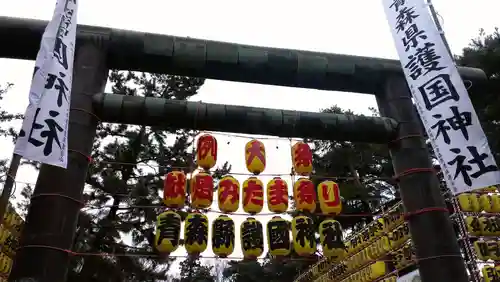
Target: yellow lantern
column 490, row 274
column 223, row 236
column 278, row 237
column 277, row 195
column 174, row 189
column 252, row 238
column 206, row 154
column 304, row 241
column 168, row 229
column 304, row 195
column 202, row 190
column 196, row 233
column 302, row 158
column 469, row 202
column 490, row 203
column 255, row 156
column 330, row 233
column 473, row 225
column 329, row 197
column 5, row 264
column 228, row 194
column 253, row 195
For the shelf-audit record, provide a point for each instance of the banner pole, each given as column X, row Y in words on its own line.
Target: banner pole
column 439, row 27
column 9, row 184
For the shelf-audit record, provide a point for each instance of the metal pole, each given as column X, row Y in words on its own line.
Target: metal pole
column 9, row 184
column 439, row 27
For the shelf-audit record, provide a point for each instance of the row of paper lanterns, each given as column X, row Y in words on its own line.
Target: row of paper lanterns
column 280, row 243
column 255, row 155
column 306, row 196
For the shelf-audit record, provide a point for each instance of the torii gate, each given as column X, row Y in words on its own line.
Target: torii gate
column 51, row 221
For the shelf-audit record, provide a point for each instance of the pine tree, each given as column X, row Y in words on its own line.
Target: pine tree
column 123, row 185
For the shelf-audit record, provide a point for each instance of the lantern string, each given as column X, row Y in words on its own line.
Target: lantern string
column 155, row 255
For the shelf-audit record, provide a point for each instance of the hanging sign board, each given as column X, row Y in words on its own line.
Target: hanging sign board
column 441, row 98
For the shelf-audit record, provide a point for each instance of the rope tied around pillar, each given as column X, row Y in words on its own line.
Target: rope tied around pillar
column 410, row 171
column 408, row 215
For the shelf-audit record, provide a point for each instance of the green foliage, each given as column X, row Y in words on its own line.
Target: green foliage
column 5, row 117
column 193, row 271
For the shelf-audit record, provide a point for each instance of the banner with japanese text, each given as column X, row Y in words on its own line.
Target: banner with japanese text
column 441, row 98
column 44, row 133
column 413, row 276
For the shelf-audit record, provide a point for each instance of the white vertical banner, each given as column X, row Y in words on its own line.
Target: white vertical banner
column 441, row 98
column 413, row 276
column 44, row 133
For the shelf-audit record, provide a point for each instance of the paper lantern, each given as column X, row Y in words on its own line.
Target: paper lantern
column 302, row 158
column 174, row 189
column 252, row 238
column 330, row 233
column 469, row 202
column 228, row 194
column 473, row 225
column 196, row 233
column 490, row 203
column 277, row 195
column 304, row 241
column 168, row 229
column 278, row 237
column 304, row 195
column 206, row 154
column 329, row 198
column 223, row 236
column 5, row 264
column 253, row 195
column 202, row 190
column 255, row 156
column 490, row 274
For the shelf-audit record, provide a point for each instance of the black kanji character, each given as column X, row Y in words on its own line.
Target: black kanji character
column 458, row 121
column 412, row 35
column 252, row 236
column 405, row 17
column 397, row 3
column 197, row 230
column 464, row 169
column 438, row 90
column 169, row 228
column 279, row 235
column 332, row 232
column 305, row 231
column 223, row 233
column 53, row 81
column 423, row 61
column 61, row 53
column 51, row 135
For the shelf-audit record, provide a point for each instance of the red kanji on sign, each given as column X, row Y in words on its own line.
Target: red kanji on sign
column 326, row 195
column 255, row 151
column 253, row 193
column 278, row 193
column 207, row 144
column 303, row 155
column 203, row 187
column 229, row 188
column 175, row 183
column 306, row 193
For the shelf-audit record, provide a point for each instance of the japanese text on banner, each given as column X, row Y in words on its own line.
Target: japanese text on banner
column 44, row 133
column 441, row 98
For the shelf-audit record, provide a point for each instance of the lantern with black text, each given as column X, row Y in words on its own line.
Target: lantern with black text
column 168, row 228
column 196, row 233
column 304, row 195
column 174, row 189
column 277, row 195
column 255, row 156
column 253, row 195
column 302, row 158
column 228, row 194
column 332, row 244
column 223, row 236
column 278, row 237
column 304, row 241
column 329, row 197
column 206, row 154
column 252, row 238
column 202, row 190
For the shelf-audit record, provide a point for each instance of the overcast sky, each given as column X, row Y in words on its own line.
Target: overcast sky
column 345, row 27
